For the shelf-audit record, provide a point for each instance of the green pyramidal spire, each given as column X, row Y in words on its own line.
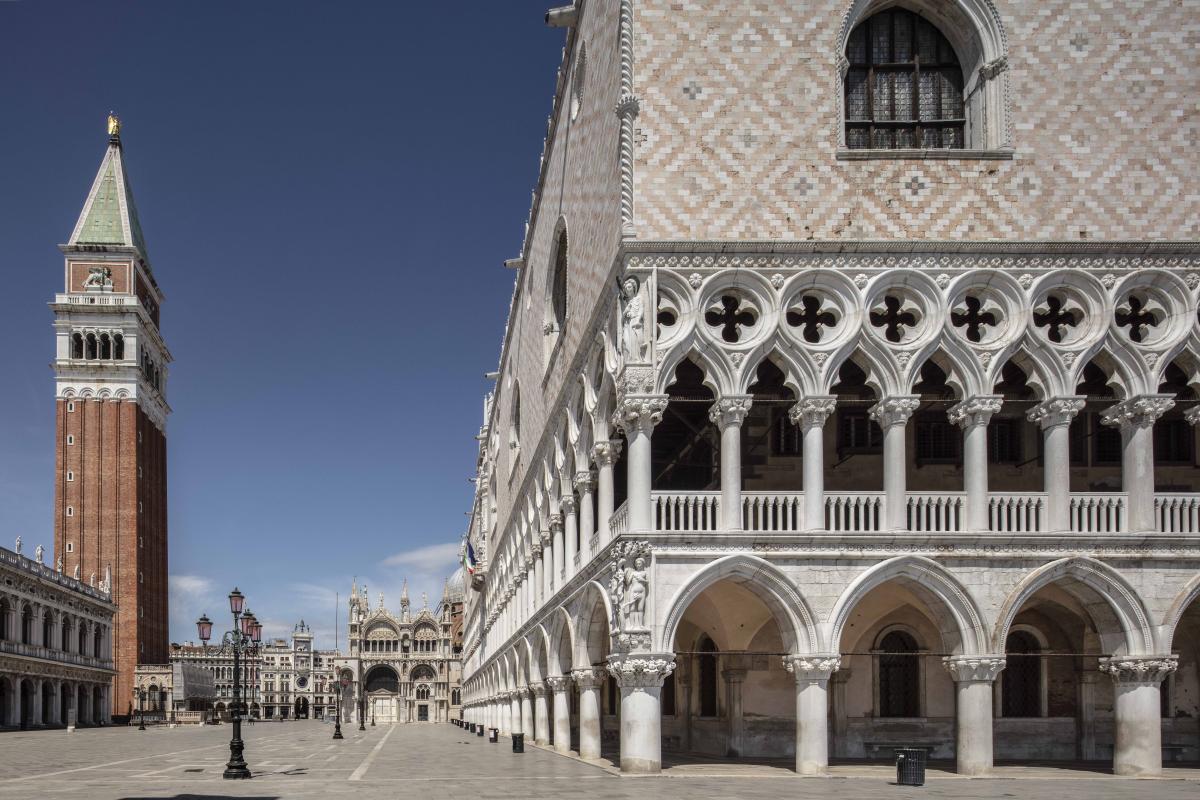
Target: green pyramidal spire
column 109, row 217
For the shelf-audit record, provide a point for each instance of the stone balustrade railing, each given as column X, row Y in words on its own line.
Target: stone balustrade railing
column 52, row 654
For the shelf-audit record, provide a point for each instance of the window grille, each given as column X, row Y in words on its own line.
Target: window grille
column 937, row 440
column 904, row 88
column 899, row 676
column 1174, row 442
column 1021, row 690
column 857, row 432
column 1004, row 441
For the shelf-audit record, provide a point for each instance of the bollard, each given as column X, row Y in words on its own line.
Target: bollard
column 493, row 735
column 518, row 742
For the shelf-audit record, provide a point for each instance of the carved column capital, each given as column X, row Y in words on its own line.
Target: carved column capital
column 591, row 678
column 556, row 524
column 567, row 504
column 605, row 453
column 1149, row 670
column 585, row 481
column 1140, row 411
column 641, row 671
column 539, row 689
column 628, row 106
column 976, row 410
column 895, row 410
column 812, row 411
column 639, row 412
column 983, row 668
column 730, row 410
column 1056, row 411
column 815, row 667
column 1192, row 415
column 559, row 683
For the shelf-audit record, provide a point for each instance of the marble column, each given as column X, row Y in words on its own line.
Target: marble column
column 515, row 719
column 589, row 682
column 569, row 536
column 892, row 414
column 541, row 714
column 539, row 573
column 973, row 677
column 585, row 485
column 35, row 720
column 728, row 413
column 640, row 678
column 526, row 713
column 812, row 674
column 838, row 711
column 810, row 414
column 560, row 685
column 735, row 736
column 605, row 455
column 973, row 415
column 637, row 415
column 1135, row 418
column 1054, row 416
column 1137, row 680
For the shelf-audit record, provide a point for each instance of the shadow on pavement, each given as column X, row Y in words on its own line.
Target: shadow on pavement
column 207, row 797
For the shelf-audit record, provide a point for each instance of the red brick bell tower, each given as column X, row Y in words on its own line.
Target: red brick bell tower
column 110, row 490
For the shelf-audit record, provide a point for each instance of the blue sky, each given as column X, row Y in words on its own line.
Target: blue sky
column 328, row 190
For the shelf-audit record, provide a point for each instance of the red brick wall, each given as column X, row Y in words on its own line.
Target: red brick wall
column 119, row 521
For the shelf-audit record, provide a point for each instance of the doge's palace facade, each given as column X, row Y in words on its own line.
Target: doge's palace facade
column 848, row 396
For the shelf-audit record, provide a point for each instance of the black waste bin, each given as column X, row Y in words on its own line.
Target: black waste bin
column 518, row 742
column 479, row 731
column 910, row 766
column 472, row 728
column 493, row 735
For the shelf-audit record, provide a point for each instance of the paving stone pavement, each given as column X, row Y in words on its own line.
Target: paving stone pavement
column 438, row 762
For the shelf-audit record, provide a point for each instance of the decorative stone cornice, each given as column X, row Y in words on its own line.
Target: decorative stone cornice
column 585, row 481
column 895, row 410
column 639, row 413
column 641, row 671
column 730, row 410
column 974, row 668
column 605, row 453
column 812, row 411
column 816, row 667
column 559, row 683
column 590, row 678
column 977, row 410
column 1140, row 411
column 1148, row 670
column 1056, row 411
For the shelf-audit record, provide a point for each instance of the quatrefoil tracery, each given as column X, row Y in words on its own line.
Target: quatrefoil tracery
column 1140, row 313
column 896, row 317
column 812, row 318
column 731, row 315
column 1059, row 319
column 977, row 319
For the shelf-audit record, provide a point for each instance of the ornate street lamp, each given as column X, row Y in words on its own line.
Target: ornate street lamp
column 362, row 711
column 242, row 641
column 140, row 695
column 342, row 682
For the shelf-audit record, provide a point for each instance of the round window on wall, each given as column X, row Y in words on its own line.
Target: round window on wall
column 301, row 682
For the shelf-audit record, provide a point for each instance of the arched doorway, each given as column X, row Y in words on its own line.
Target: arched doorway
column 382, row 687
column 301, row 708
column 421, row 680
column 27, row 692
column 1181, row 691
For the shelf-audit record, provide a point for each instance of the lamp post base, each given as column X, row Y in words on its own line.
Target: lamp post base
column 236, row 772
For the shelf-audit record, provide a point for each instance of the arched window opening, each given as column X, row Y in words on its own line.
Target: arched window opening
column 1021, row 687
column 65, row 639
column 904, row 87
column 96, row 639
column 899, row 676
column 5, row 634
column 47, row 630
column 91, row 347
column 685, row 454
column 119, row 347
column 105, row 347
column 76, row 345
column 82, row 650
column 514, row 418
column 707, row 674
column 558, row 282
column 27, row 625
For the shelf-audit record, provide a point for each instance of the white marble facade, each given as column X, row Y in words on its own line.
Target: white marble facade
column 923, row 473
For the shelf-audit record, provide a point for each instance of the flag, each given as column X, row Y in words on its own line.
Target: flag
column 468, row 559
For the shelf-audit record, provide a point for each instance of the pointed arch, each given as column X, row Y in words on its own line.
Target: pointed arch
column 717, row 375
column 764, row 580
column 592, row 610
column 1120, row 599
column 1188, row 595
column 561, row 633
column 962, row 624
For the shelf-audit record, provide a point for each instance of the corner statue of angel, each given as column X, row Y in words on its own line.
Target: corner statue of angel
column 633, row 320
column 633, row 605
